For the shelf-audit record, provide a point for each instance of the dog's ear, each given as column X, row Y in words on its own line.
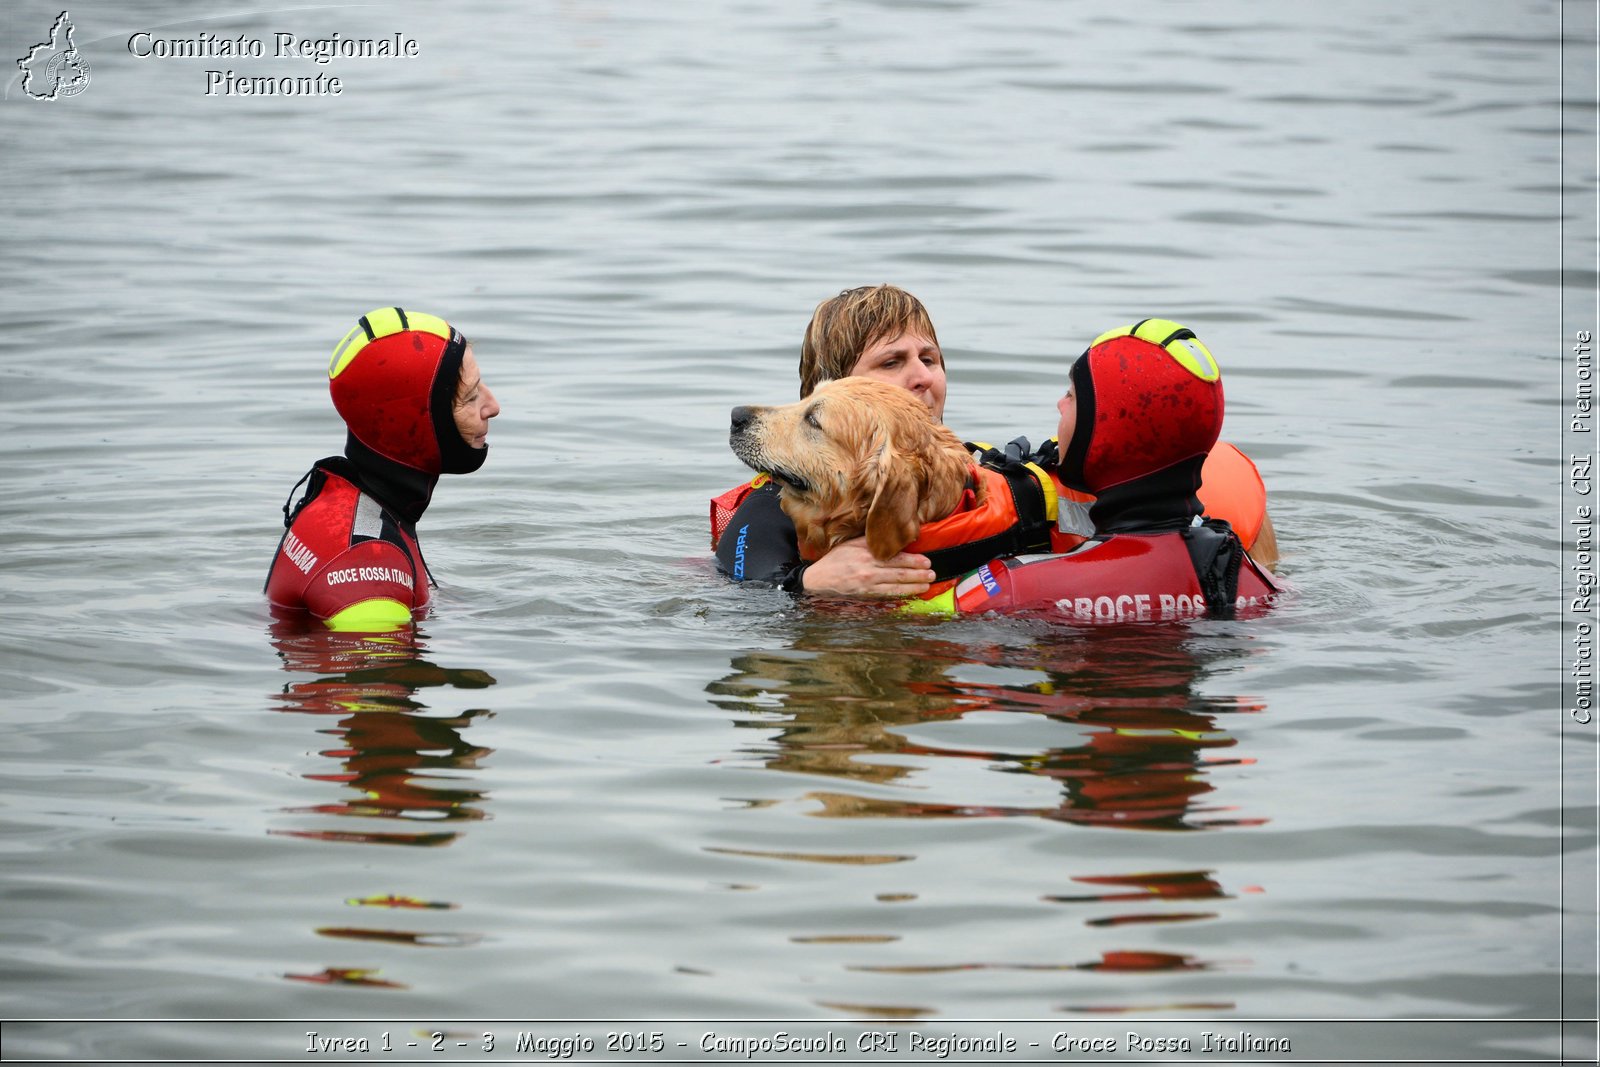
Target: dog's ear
column 892, row 516
column 948, row 471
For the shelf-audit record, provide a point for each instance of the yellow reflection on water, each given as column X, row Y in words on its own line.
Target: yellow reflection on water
column 387, row 759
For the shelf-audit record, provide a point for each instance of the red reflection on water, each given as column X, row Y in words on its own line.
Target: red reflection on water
column 1141, row 748
column 351, row 837
column 401, row 937
column 1146, row 961
column 1166, row 885
column 1126, row 726
column 347, row 976
column 1148, row 886
column 1132, row 960
column 400, row 763
column 1152, row 917
column 1123, row 1009
column 388, row 760
column 393, row 901
column 880, row 1011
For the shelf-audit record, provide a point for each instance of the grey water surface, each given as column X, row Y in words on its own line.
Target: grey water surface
column 599, row 783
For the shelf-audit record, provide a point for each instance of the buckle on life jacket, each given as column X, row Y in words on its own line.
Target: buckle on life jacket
column 1217, row 554
column 1018, row 456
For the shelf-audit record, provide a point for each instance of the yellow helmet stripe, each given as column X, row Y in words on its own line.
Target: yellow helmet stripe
column 1179, row 341
column 1120, row 331
column 382, row 323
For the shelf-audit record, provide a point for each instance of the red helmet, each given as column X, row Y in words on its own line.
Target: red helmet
column 393, row 380
column 1149, row 398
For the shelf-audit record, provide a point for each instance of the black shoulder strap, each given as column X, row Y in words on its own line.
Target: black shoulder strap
column 315, row 477
column 1217, row 554
column 313, row 480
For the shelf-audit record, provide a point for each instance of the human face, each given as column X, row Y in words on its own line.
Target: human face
column 911, row 361
column 475, row 404
column 1068, row 406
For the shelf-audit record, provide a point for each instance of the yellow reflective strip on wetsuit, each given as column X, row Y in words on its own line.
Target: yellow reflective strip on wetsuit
column 1047, row 486
column 371, row 616
column 942, row 604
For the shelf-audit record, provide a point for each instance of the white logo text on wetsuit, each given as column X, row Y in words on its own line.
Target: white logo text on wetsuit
column 370, row 574
column 299, row 554
column 1138, row 606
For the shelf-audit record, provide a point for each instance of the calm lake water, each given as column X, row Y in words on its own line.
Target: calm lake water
column 601, row 784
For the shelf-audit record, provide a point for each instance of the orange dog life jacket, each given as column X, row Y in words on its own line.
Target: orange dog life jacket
column 1014, row 514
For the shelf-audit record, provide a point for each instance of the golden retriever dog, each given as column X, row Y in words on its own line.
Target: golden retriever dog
column 862, row 457
column 855, row 457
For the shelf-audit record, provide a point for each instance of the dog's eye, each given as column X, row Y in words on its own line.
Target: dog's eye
column 811, row 419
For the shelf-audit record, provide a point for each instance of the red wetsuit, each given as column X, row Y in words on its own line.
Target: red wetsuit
column 1126, row 576
column 350, row 554
column 343, row 549
column 1140, row 418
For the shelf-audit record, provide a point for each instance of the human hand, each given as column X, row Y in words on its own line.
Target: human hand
column 849, row 569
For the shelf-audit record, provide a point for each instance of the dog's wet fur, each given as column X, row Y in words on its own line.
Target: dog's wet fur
column 855, row 457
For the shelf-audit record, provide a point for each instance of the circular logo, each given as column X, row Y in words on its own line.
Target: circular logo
column 68, row 72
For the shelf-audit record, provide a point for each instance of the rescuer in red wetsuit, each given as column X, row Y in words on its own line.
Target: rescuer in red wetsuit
column 1141, row 414
column 409, row 390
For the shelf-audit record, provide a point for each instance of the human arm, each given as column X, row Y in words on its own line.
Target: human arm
column 759, row 545
column 849, row 569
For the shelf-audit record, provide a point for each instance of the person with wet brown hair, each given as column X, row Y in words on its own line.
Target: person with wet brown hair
column 875, row 331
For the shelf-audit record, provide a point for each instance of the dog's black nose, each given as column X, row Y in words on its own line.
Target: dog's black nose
column 741, row 418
